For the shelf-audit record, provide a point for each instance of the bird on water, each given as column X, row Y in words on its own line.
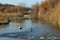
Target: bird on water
column 20, row 27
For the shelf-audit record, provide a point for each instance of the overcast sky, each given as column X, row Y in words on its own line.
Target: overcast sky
column 16, row 2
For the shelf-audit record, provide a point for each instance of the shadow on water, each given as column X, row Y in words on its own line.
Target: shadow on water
column 14, row 35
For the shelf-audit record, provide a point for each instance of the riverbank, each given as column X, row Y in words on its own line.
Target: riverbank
column 6, row 17
column 50, row 12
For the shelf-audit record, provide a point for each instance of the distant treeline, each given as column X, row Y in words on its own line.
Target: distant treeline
column 9, row 8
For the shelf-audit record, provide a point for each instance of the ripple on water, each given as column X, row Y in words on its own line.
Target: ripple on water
column 6, row 38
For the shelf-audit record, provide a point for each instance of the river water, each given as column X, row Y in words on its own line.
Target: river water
column 31, row 30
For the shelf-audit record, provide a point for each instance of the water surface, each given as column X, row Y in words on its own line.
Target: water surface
column 31, row 29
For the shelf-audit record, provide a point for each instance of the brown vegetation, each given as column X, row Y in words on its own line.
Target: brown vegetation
column 50, row 12
column 8, row 11
column 35, row 10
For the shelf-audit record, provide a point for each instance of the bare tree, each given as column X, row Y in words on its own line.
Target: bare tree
column 35, row 10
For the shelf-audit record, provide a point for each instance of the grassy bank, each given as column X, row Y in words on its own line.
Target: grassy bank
column 5, row 17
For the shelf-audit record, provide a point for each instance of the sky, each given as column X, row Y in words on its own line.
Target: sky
column 28, row 3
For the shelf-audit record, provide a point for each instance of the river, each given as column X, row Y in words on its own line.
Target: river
column 31, row 30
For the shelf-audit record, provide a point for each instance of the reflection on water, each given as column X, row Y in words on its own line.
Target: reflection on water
column 31, row 29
